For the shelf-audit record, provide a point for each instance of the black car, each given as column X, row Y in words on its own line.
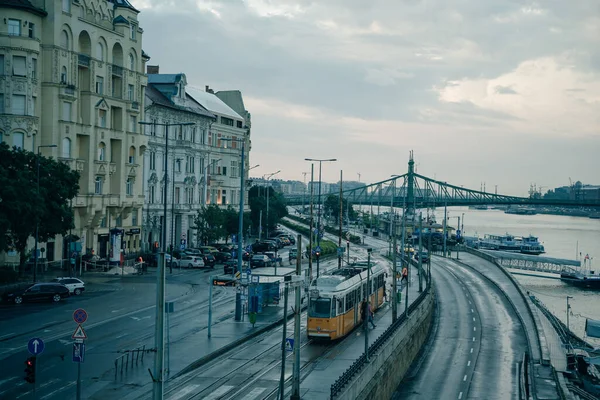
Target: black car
column 209, row 260
column 230, row 267
column 222, row 256
column 38, row 292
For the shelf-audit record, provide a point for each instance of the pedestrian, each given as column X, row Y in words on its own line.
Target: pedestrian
column 404, row 275
column 371, row 316
column 384, row 293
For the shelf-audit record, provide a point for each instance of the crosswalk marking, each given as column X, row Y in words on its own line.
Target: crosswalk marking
column 186, row 390
column 219, row 392
column 254, row 393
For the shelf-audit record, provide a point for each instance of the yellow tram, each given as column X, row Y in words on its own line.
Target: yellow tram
column 336, row 300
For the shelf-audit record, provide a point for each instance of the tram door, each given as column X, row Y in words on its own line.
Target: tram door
column 375, row 290
column 356, row 305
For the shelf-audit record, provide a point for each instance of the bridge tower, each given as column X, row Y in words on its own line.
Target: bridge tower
column 410, row 194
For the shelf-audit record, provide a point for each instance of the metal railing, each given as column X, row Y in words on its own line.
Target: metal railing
column 123, row 362
column 359, row 363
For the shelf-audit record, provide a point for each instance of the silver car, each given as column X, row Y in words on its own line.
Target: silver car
column 190, row 261
column 75, row 285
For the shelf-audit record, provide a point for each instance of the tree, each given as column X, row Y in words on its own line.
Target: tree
column 23, row 207
column 209, row 224
column 231, row 219
column 332, row 206
column 258, row 202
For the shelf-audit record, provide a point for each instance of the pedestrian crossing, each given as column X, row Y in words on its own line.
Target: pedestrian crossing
column 221, row 392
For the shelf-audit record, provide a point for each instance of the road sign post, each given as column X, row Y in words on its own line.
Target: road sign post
column 79, row 316
column 35, row 346
column 210, row 306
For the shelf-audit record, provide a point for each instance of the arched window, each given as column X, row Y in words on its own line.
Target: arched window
column 101, row 152
column 18, row 139
column 132, row 62
column 64, row 40
column 132, row 155
column 100, row 51
column 98, row 185
column 129, row 187
column 63, row 75
column 66, row 148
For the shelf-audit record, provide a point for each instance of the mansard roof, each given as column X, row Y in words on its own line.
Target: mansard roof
column 191, row 106
column 119, row 19
column 123, row 3
column 23, row 5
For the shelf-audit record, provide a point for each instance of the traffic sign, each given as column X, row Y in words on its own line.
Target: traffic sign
column 289, row 344
column 318, row 248
column 249, row 271
column 255, row 278
column 238, row 274
column 35, row 346
column 78, row 352
column 347, row 235
column 80, row 316
column 79, row 333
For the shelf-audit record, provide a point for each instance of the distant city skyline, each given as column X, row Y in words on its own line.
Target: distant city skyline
column 499, row 92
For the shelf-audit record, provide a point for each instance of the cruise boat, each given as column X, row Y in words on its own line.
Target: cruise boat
column 531, row 245
column 585, row 278
column 526, row 245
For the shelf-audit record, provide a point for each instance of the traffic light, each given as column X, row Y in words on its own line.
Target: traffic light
column 317, row 254
column 30, row 369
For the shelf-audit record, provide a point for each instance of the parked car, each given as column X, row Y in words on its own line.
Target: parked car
column 259, row 261
column 289, row 237
column 208, row 249
column 188, row 261
column 222, row 256
column 293, row 254
column 247, row 255
column 230, row 267
column 424, row 256
column 193, row 252
column 50, row 291
column 75, row 285
column 275, row 259
column 209, row 260
column 171, row 261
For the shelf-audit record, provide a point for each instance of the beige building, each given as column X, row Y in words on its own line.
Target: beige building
column 72, row 75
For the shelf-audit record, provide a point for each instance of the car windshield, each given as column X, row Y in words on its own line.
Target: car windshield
column 320, row 308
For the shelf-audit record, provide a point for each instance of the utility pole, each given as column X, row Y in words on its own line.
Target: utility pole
column 445, row 231
column 420, row 264
column 260, row 226
column 296, row 371
column 366, row 304
column 394, row 293
column 283, row 349
column 304, row 192
column 310, row 236
column 457, row 239
column 341, row 216
column 402, row 255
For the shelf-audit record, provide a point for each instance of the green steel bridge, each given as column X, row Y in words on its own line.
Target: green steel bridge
column 412, row 190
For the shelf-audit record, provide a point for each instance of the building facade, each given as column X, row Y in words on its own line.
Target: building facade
column 73, row 76
column 167, row 103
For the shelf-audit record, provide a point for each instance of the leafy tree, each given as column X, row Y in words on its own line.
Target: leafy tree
column 332, row 207
column 23, row 207
column 209, row 223
column 231, row 219
column 258, row 202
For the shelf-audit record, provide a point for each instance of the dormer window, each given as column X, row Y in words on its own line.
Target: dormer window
column 133, row 31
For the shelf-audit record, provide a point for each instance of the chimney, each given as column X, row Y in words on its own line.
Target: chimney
column 207, row 89
column 152, row 69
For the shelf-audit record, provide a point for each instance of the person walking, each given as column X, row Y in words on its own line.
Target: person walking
column 370, row 310
column 404, row 275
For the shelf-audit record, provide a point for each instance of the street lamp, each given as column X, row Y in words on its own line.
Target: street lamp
column 37, row 220
column 268, row 195
column 175, row 161
column 159, row 333
column 319, row 214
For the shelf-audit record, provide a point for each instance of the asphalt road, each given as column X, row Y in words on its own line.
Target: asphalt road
column 476, row 343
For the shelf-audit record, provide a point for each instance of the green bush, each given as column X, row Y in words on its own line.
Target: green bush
column 327, row 246
column 355, row 239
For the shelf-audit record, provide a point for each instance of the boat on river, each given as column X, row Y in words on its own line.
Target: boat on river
column 515, row 244
column 587, row 277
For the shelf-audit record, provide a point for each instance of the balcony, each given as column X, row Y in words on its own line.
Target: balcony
column 135, row 105
column 83, row 60
column 117, row 71
column 110, row 200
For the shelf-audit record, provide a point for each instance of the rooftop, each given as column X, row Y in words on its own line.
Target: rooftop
column 23, row 5
column 212, row 102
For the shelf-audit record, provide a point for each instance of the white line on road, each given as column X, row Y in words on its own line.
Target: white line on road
column 9, row 334
column 469, row 363
column 474, row 328
column 473, row 338
column 471, row 350
column 49, row 395
column 460, row 395
column 472, row 310
column 254, row 394
column 116, row 311
column 464, row 378
column 473, row 319
column 219, row 392
column 186, row 390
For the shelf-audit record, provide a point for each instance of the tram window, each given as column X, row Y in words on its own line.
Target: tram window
column 340, row 302
column 320, row 308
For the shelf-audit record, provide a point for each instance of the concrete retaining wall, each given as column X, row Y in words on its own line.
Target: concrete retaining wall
column 382, row 375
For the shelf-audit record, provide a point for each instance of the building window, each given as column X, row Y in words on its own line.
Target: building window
column 100, row 51
column 63, row 75
column 66, row 148
column 14, row 27
column 34, row 68
column 18, row 140
column 152, row 161
column 239, row 124
column 178, row 165
column 134, row 217
column 129, row 187
column 66, row 6
column 32, row 108
column 192, row 165
column 101, row 152
column 133, row 31
column 130, row 92
column 31, row 30
column 177, row 195
column 131, row 158
column 234, row 169
column 99, row 85
column 98, row 185
column 224, row 196
column 224, row 171
column 102, row 118
column 1, row 110
column 64, row 40
column 152, row 194
column 193, row 138
column 67, row 111
column 131, row 62
column 18, row 104
column 226, row 121
column 202, row 136
column 1, row 64
column 133, row 123
column 19, row 66
column 119, row 221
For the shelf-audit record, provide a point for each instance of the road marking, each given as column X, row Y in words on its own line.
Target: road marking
column 474, row 328
column 219, row 392
column 116, row 311
column 254, row 393
column 118, row 337
column 183, row 392
column 471, row 350
column 470, row 302
column 469, row 363
column 9, row 334
column 464, row 378
column 473, row 338
column 68, row 385
column 460, row 395
column 472, row 310
column 473, row 319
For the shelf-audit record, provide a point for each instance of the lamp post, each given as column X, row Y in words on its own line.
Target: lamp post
column 268, row 195
column 159, row 333
column 37, row 220
column 568, row 309
column 319, row 214
column 175, row 160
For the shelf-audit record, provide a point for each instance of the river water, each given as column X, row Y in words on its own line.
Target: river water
column 562, row 237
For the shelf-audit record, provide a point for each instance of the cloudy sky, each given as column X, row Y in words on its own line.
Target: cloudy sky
column 499, row 91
